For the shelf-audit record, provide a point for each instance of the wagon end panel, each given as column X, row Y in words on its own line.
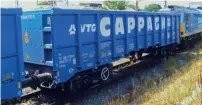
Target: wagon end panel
column 32, row 36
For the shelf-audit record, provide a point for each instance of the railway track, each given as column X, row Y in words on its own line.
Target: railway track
column 121, row 71
column 57, row 96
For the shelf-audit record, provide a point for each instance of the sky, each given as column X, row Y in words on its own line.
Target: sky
column 32, row 4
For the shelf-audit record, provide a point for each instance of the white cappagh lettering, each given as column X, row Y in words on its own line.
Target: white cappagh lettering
column 140, row 23
column 131, row 24
column 156, row 23
column 105, row 31
column 119, row 27
column 149, row 23
column 106, row 25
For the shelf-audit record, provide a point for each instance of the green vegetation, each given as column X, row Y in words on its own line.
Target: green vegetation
column 177, row 88
column 122, row 5
column 115, row 5
column 152, row 8
column 43, row 3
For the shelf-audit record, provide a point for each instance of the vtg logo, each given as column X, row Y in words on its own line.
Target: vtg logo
column 84, row 28
column 72, row 29
column 106, row 25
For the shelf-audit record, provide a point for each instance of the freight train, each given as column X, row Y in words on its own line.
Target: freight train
column 68, row 48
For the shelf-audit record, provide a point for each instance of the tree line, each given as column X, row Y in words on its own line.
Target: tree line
column 123, row 5
column 115, row 5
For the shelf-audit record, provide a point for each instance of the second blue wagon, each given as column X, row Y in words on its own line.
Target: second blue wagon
column 11, row 54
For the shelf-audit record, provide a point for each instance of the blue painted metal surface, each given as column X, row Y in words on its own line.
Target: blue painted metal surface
column 71, row 41
column 11, row 53
column 36, row 33
column 192, row 18
column 193, row 23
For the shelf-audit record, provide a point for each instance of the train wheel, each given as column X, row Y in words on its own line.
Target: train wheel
column 185, row 43
column 19, row 99
column 172, row 50
column 188, row 43
column 135, row 57
column 162, row 53
column 106, row 73
column 71, row 90
column 140, row 55
column 154, row 53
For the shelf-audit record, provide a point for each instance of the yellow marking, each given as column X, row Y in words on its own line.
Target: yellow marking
column 19, row 85
column 182, row 29
column 47, row 46
column 26, row 39
column 27, row 56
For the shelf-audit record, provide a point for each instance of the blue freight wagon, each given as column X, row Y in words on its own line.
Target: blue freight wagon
column 191, row 23
column 11, row 54
column 77, row 44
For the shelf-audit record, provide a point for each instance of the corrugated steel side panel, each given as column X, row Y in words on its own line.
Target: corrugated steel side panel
column 76, row 40
column 84, row 39
column 11, row 55
column 193, row 23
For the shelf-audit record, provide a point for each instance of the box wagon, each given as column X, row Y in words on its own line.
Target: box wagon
column 190, row 25
column 78, row 44
column 11, row 54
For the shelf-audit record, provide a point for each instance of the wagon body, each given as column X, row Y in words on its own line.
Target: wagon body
column 70, row 41
column 193, row 23
column 11, row 53
column 191, row 20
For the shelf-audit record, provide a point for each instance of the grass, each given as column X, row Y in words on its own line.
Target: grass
column 197, row 100
column 183, row 81
column 177, row 88
column 171, row 66
column 180, row 78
